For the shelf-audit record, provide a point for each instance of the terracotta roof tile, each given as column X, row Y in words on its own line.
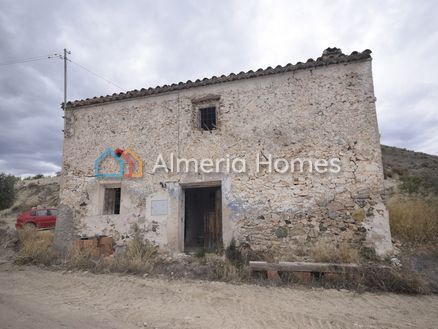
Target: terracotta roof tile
column 330, row 56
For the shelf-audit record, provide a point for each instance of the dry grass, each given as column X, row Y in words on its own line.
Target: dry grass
column 85, row 259
column 403, row 280
column 414, row 219
column 139, row 257
column 328, row 251
column 35, row 247
column 366, row 278
column 221, row 269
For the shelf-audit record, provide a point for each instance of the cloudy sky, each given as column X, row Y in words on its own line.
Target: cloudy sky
column 139, row 44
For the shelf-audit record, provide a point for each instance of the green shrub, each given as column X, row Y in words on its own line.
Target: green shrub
column 200, row 253
column 7, row 190
column 419, row 185
column 412, row 184
column 233, row 254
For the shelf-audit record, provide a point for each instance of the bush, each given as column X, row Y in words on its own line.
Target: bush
column 7, row 190
column 224, row 270
column 412, row 184
column 35, row 247
column 139, row 257
column 394, row 280
column 200, row 253
column 419, row 185
column 414, row 219
column 85, row 259
column 233, row 254
column 370, row 278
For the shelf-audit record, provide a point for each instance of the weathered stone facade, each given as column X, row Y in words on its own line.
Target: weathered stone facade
column 322, row 109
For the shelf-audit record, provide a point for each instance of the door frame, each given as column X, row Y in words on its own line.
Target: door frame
column 182, row 206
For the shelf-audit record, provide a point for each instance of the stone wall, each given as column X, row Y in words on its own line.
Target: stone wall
column 319, row 113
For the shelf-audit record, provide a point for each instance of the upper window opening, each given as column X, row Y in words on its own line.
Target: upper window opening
column 208, row 118
column 112, row 201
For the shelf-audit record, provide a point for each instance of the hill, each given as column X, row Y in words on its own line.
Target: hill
column 398, row 163
column 43, row 192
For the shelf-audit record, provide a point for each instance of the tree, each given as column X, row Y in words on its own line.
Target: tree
column 7, row 190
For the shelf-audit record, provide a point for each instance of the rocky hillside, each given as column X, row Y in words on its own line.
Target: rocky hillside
column 409, row 172
column 43, row 192
column 399, row 163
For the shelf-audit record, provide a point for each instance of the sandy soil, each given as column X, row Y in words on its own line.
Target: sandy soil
column 35, row 298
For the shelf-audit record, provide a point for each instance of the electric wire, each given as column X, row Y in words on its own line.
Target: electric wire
column 44, row 57
column 25, row 60
column 95, row 74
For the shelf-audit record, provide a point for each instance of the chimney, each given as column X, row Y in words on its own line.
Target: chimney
column 332, row 53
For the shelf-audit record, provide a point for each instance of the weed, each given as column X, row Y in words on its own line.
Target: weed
column 233, row 254
column 35, row 247
column 419, row 185
column 224, row 270
column 85, row 259
column 414, row 219
column 139, row 257
column 394, row 280
column 200, row 253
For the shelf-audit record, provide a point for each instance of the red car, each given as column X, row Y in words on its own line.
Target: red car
column 37, row 218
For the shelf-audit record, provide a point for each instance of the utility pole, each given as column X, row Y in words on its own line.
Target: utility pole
column 65, row 77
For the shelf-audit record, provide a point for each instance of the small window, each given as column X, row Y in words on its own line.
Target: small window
column 52, row 212
column 112, row 201
column 208, row 118
column 41, row 212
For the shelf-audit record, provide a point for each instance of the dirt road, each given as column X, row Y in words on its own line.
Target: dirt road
column 35, row 298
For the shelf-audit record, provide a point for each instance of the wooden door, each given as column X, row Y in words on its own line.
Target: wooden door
column 213, row 221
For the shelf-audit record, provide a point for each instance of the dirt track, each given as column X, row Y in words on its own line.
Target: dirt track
column 35, row 298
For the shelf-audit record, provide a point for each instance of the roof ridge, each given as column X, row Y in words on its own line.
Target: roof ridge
column 329, row 56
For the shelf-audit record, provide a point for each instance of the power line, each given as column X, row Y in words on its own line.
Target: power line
column 97, row 75
column 25, row 60
column 44, row 57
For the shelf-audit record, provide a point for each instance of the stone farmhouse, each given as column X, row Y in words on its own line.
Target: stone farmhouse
column 299, row 161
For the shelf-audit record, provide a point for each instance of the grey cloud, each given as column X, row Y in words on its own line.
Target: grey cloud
column 147, row 43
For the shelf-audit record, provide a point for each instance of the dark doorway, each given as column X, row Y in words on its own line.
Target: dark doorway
column 203, row 219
